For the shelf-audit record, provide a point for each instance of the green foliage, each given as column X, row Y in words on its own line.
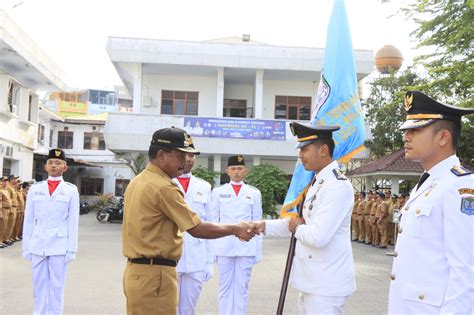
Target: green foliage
column 138, row 163
column 205, row 174
column 446, row 27
column 385, row 111
column 272, row 183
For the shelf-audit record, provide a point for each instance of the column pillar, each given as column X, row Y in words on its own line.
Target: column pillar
column 137, row 89
column 220, row 93
column 217, row 168
column 258, row 97
column 395, row 187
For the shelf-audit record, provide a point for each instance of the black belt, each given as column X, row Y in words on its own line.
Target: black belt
column 154, row 261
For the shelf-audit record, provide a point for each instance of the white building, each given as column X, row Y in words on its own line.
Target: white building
column 94, row 169
column 24, row 70
column 234, row 96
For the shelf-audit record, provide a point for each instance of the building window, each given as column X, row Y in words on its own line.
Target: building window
column 65, row 139
column 94, row 141
column 30, row 99
column 236, row 108
column 293, row 107
column 179, row 103
column 41, row 130
column 92, row 186
column 120, row 186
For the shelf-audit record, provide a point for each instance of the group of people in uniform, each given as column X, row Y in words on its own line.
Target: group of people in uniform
column 374, row 217
column 12, row 203
column 176, row 227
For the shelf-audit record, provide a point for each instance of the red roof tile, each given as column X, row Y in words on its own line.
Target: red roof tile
column 394, row 162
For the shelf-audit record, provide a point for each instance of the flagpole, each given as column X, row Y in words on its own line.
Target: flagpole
column 289, row 263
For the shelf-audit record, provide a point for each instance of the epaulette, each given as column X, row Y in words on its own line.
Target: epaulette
column 337, row 172
column 460, row 170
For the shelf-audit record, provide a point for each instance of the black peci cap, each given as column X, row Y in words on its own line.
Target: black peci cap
column 308, row 134
column 422, row 111
column 57, row 154
column 173, row 138
column 236, row 160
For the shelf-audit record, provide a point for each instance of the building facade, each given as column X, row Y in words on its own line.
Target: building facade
column 233, row 96
column 24, row 70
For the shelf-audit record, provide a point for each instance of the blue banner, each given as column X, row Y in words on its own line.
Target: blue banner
column 235, row 128
column 337, row 102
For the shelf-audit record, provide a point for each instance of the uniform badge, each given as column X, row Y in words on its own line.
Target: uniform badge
column 199, row 193
column 321, row 181
column 240, row 158
column 57, row 153
column 248, row 197
column 408, row 101
column 225, row 195
column 459, row 170
column 337, row 172
column 467, row 205
column 468, row 191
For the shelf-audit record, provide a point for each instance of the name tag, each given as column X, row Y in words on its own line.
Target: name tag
column 225, row 195
column 39, row 193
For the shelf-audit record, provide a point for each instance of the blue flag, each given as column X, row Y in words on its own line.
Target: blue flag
column 337, row 102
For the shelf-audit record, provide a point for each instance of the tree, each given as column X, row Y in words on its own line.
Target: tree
column 446, row 27
column 385, row 111
column 138, row 163
column 205, row 174
column 272, row 183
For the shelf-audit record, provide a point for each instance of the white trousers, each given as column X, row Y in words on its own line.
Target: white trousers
column 189, row 287
column 317, row 304
column 49, row 278
column 234, row 277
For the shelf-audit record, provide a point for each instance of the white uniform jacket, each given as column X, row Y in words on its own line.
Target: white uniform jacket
column 196, row 251
column 229, row 208
column 433, row 268
column 323, row 263
column 51, row 222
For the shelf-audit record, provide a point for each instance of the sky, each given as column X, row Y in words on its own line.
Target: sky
column 73, row 33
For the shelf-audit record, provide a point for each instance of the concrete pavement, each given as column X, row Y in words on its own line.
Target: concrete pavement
column 94, row 283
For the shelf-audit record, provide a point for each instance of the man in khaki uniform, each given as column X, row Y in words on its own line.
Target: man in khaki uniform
column 368, row 208
column 382, row 221
column 373, row 220
column 12, row 193
column 391, row 225
column 21, row 212
column 155, row 216
column 360, row 218
column 5, row 209
column 2, row 222
column 354, row 225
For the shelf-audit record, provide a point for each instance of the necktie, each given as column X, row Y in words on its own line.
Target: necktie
column 422, row 179
column 184, row 181
column 52, row 185
column 236, row 189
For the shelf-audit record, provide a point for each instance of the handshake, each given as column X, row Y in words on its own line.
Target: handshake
column 245, row 231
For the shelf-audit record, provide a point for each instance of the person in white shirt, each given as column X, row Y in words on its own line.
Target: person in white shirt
column 235, row 202
column 323, row 266
column 433, row 265
column 50, row 234
column 196, row 263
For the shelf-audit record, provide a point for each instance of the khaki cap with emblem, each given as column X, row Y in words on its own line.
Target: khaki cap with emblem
column 173, row 138
column 422, row 111
column 309, row 134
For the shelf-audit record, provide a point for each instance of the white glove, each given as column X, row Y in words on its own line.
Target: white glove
column 209, row 271
column 70, row 256
column 26, row 255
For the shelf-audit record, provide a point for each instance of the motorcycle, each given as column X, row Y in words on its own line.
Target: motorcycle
column 84, row 207
column 111, row 214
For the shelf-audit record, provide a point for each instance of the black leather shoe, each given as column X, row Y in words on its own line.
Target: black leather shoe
column 8, row 242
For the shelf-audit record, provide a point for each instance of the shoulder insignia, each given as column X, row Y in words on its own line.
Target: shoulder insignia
column 467, row 205
column 460, row 170
column 468, row 191
column 339, row 175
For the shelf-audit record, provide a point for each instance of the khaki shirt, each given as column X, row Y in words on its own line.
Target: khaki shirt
column 21, row 201
column 354, row 208
column 368, row 207
column 13, row 196
column 6, row 201
column 361, row 207
column 155, row 215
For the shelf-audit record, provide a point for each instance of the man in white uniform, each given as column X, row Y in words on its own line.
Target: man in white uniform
column 50, row 234
column 323, row 267
column 231, row 203
column 196, row 263
column 433, row 266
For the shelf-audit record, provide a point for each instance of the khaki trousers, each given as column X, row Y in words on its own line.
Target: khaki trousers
column 11, row 223
column 361, row 226
column 368, row 229
column 150, row 289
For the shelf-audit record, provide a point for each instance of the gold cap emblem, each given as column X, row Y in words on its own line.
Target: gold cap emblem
column 57, row 153
column 240, row 158
column 408, row 101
